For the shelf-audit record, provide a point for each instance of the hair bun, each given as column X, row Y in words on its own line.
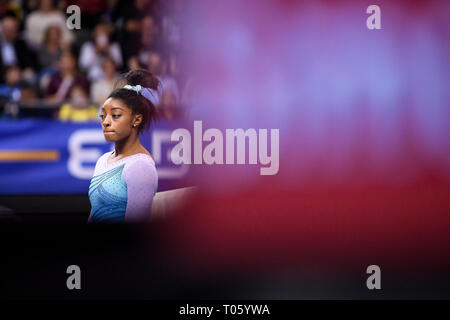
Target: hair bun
column 141, row 77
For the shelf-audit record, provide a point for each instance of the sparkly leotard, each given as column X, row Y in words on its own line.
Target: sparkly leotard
column 123, row 191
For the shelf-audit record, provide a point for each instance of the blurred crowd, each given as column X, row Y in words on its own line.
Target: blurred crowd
column 48, row 70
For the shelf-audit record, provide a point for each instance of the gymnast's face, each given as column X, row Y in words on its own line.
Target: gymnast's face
column 118, row 120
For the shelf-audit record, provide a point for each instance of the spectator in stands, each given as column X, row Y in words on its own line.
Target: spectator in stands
column 150, row 39
column 133, row 63
column 78, row 109
column 129, row 14
column 14, row 50
column 92, row 11
column 101, row 88
column 168, row 92
column 10, row 90
column 16, row 92
column 61, row 82
column 30, row 106
column 38, row 21
column 50, row 52
column 171, row 24
column 171, row 33
column 94, row 52
column 28, row 94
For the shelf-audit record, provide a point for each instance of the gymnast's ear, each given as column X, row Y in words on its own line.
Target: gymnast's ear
column 137, row 120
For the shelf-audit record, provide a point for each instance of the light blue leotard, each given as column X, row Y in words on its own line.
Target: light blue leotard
column 123, row 191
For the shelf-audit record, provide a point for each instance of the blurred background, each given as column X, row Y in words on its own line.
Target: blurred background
column 364, row 172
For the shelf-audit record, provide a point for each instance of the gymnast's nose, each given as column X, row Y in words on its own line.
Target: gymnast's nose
column 106, row 121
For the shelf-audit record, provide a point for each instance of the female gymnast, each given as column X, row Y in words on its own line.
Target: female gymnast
column 125, row 180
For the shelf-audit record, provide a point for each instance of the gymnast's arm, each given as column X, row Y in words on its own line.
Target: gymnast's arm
column 141, row 179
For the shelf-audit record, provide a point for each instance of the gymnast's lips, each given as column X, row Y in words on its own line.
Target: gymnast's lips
column 108, row 131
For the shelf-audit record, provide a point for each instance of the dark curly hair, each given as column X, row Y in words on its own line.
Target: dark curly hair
column 138, row 77
column 135, row 101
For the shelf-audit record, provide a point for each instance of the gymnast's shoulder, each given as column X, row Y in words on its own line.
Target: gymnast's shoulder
column 140, row 161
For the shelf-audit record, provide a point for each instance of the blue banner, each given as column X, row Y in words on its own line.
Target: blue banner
column 40, row 156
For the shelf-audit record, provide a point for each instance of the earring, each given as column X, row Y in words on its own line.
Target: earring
column 134, row 125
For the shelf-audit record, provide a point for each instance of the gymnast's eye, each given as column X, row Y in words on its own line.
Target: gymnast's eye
column 115, row 116
column 101, row 116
